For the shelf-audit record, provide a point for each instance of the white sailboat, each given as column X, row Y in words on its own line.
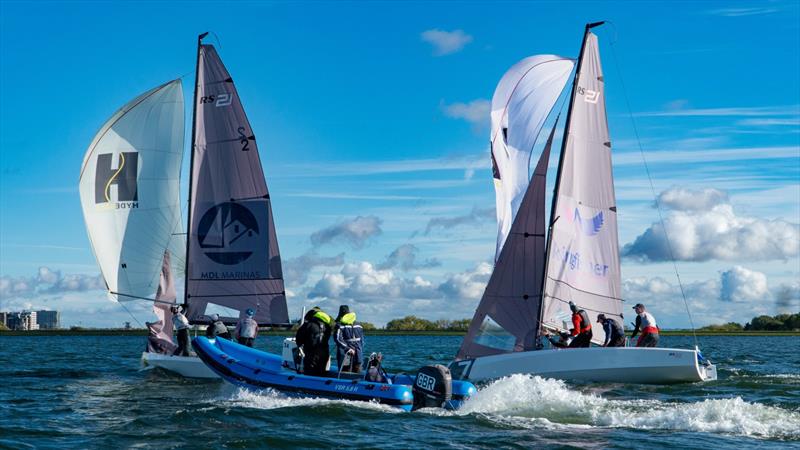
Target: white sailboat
column 536, row 275
column 129, row 189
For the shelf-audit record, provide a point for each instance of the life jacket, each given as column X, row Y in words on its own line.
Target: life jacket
column 324, row 318
column 586, row 324
column 648, row 323
column 348, row 319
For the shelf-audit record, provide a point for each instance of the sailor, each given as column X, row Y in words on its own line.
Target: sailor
column 217, row 328
column 647, row 324
column 349, row 338
column 581, row 327
column 562, row 341
column 615, row 335
column 247, row 328
column 182, row 327
column 312, row 340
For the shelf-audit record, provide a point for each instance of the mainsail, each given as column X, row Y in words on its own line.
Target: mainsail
column 129, row 189
column 160, row 338
column 583, row 265
column 232, row 257
column 521, row 103
column 507, row 318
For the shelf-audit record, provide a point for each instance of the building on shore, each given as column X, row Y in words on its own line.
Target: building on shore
column 31, row 320
column 48, row 320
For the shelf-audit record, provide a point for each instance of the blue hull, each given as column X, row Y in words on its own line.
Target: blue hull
column 257, row 370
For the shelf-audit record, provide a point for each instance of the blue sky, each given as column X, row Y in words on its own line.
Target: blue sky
column 372, row 121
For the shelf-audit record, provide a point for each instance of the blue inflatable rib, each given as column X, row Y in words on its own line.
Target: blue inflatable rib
column 257, row 370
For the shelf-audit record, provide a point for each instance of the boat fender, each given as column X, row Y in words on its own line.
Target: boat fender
column 433, row 387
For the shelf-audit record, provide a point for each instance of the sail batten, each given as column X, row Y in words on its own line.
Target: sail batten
column 233, row 260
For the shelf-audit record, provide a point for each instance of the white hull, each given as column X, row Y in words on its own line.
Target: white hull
column 615, row 364
column 187, row 366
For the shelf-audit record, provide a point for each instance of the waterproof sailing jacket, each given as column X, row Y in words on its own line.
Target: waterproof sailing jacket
column 348, row 335
column 313, row 336
column 580, row 322
column 246, row 328
column 613, row 330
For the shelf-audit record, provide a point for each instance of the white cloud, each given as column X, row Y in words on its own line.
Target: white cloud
column 404, row 257
column 476, row 216
column 355, row 232
column 677, row 110
column 690, row 200
column 475, row 112
column 446, row 42
column 296, row 270
column 742, row 12
column 48, row 281
column 743, row 285
column 467, row 285
column 703, row 226
column 787, row 297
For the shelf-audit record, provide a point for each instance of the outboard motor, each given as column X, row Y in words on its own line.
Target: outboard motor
column 433, row 387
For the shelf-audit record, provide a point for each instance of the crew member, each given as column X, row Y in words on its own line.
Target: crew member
column 349, row 338
column 247, row 329
column 181, row 325
column 217, row 328
column 562, row 341
column 581, row 327
column 615, row 335
column 647, row 324
column 312, row 339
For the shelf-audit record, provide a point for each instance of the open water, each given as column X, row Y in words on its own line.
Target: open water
column 88, row 392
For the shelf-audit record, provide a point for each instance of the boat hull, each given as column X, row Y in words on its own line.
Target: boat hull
column 187, row 366
column 258, row 370
column 609, row 364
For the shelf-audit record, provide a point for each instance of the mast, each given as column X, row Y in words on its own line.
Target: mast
column 553, row 217
column 191, row 170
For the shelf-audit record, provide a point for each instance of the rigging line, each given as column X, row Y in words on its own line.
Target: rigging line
column 653, row 191
column 130, row 314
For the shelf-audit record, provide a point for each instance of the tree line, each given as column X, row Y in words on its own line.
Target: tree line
column 781, row 322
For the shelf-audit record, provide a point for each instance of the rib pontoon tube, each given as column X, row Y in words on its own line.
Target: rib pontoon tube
column 258, row 370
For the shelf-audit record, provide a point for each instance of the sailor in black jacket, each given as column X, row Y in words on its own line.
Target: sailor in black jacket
column 312, row 338
column 349, row 338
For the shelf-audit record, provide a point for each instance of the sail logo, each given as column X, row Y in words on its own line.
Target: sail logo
column 588, row 227
column 218, row 100
column 228, row 233
column 117, row 185
column 589, row 96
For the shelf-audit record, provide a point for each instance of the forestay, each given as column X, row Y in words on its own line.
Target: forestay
column 521, row 103
column 233, row 258
column 507, row 318
column 583, row 264
column 129, row 189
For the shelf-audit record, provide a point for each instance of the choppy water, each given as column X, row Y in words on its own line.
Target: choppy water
column 87, row 392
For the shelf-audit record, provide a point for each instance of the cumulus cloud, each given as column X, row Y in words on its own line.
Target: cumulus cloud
column 48, row 281
column 469, row 284
column 446, row 42
column 477, row 215
column 363, row 282
column 296, row 270
column 404, row 257
column 741, row 285
column 690, row 200
column 355, row 232
column 787, row 297
column 704, row 226
column 475, row 112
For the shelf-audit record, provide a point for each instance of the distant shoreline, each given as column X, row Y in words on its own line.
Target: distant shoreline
column 140, row 332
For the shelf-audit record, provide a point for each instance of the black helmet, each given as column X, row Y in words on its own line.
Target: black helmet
column 343, row 309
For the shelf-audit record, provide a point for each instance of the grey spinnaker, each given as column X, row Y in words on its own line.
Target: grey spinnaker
column 233, row 259
column 507, row 318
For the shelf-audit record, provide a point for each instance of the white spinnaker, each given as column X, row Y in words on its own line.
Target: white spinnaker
column 129, row 188
column 584, row 251
column 521, row 103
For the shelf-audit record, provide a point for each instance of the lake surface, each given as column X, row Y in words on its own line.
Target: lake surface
column 88, row 392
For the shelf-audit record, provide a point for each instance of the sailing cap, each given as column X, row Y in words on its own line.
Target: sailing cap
column 638, row 305
column 215, row 317
column 250, row 312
